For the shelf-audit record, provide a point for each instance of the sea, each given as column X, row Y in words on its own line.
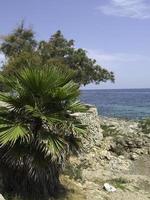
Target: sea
column 119, row 103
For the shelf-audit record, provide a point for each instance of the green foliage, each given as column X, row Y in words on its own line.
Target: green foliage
column 74, row 172
column 119, row 183
column 144, row 125
column 21, row 39
column 56, row 47
column 21, row 49
column 37, row 129
column 18, row 62
column 109, row 130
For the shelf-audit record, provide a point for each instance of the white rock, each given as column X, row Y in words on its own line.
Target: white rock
column 1, row 197
column 109, row 188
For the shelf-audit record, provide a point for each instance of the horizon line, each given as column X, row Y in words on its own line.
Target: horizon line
column 115, row 88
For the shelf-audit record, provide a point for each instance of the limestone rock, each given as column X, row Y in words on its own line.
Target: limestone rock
column 134, row 156
column 91, row 119
column 109, row 188
column 1, row 197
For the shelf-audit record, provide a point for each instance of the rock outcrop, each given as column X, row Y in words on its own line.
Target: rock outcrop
column 126, row 138
column 114, row 149
column 94, row 134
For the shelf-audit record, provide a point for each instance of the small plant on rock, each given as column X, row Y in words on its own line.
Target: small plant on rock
column 109, row 130
column 119, row 183
column 144, row 125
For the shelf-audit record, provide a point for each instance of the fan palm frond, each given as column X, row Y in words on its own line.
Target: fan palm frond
column 76, row 106
column 10, row 134
column 38, row 128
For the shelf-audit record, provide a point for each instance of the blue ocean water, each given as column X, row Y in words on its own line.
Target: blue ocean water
column 122, row 103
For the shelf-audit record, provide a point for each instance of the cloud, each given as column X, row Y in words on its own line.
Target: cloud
column 116, row 61
column 116, row 57
column 131, row 70
column 138, row 9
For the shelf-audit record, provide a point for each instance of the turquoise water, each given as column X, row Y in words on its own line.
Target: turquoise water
column 122, row 103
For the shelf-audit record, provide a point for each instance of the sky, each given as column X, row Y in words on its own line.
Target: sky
column 114, row 32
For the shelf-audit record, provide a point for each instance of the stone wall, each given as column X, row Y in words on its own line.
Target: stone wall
column 94, row 132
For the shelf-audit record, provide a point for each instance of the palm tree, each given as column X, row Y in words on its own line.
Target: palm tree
column 38, row 130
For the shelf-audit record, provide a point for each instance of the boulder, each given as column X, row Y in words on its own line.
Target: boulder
column 109, row 188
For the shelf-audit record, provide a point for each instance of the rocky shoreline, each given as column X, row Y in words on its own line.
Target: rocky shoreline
column 116, row 152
